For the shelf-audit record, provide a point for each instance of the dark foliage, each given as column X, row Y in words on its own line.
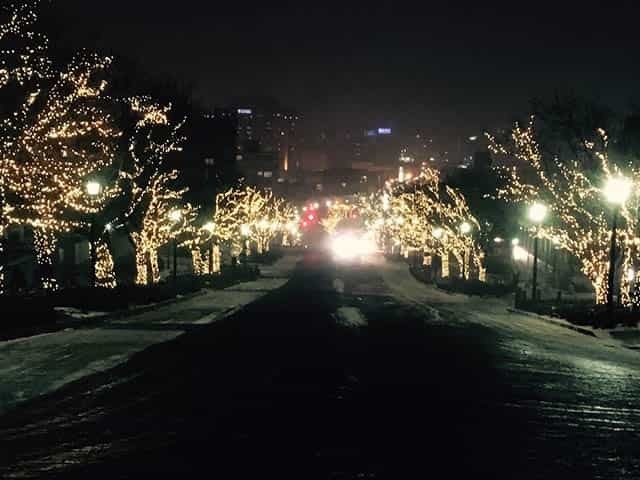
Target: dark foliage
column 584, row 314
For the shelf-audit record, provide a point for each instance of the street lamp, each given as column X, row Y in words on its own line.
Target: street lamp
column 437, row 233
column 465, row 229
column 245, row 231
column 93, row 189
column 617, row 190
column 537, row 213
column 175, row 216
column 210, row 227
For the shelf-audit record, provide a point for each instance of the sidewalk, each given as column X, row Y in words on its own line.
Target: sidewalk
column 37, row 365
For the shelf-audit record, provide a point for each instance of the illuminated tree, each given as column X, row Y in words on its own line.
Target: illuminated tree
column 338, row 213
column 425, row 214
column 290, row 226
column 105, row 274
column 245, row 215
column 579, row 222
column 67, row 137
column 148, row 193
column 24, row 65
column 159, row 224
column 229, row 217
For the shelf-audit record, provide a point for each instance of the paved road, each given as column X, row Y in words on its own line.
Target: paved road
column 388, row 380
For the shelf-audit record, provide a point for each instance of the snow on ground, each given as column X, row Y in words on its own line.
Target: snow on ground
column 77, row 313
column 350, row 317
column 36, row 365
column 530, row 333
column 527, row 345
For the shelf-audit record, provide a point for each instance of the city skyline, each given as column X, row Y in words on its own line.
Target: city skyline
column 453, row 69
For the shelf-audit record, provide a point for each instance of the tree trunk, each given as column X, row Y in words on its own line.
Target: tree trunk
column 45, row 247
column 216, row 259
column 153, row 264
column 142, row 277
column 105, row 274
column 198, row 262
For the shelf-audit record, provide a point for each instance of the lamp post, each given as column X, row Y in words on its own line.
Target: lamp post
column 245, row 231
column 93, row 189
column 537, row 213
column 210, row 227
column 465, row 229
column 175, row 216
column 438, row 234
column 616, row 191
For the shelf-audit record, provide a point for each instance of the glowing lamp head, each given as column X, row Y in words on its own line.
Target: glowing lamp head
column 438, row 233
column 209, row 227
column 515, row 242
column 245, row 230
column 617, row 190
column 465, row 228
column 175, row 215
column 93, row 188
column 520, row 254
column 498, row 240
column 631, row 275
column 537, row 212
column 386, row 204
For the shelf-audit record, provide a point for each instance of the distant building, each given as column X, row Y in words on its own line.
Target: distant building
column 380, row 146
column 208, row 159
column 313, row 159
column 267, row 147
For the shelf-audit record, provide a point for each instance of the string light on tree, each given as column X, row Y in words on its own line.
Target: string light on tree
column 575, row 201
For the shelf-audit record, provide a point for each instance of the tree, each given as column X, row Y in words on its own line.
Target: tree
column 426, row 214
column 248, row 215
column 579, row 221
column 24, row 65
column 478, row 184
column 163, row 217
column 67, row 138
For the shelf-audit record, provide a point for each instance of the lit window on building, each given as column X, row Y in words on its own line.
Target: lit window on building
column 268, row 174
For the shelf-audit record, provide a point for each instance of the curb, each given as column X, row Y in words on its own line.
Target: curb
column 554, row 321
column 70, row 322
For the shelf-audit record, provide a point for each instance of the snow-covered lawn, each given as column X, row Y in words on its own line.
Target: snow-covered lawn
column 492, row 312
column 36, row 365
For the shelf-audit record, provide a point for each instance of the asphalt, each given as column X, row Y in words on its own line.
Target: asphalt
column 308, row 382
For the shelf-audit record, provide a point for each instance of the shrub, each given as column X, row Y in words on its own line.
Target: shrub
column 474, row 287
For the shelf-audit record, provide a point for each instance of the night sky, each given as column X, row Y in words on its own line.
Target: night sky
column 455, row 69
